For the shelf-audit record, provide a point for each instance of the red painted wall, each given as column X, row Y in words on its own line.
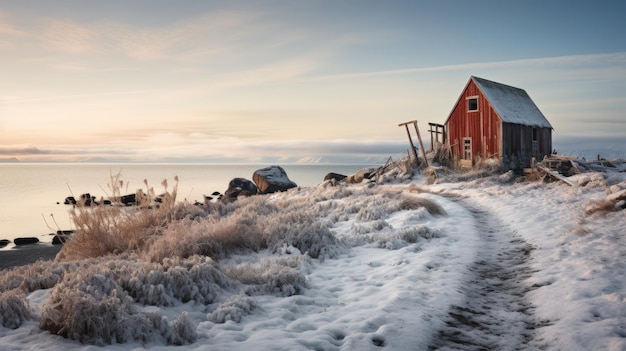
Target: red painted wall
column 483, row 126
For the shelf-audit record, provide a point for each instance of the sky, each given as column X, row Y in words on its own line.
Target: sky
column 294, row 81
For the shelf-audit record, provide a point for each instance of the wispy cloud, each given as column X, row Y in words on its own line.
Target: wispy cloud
column 611, row 58
column 205, row 36
column 160, row 147
column 274, row 72
column 49, row 98
column 16, row 150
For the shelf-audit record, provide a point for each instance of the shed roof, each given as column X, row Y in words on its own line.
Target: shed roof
column 513, row 105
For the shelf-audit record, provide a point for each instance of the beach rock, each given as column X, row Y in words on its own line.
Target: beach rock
column 336, row 176
column 4, row 242
column 60, row 239
column 240, row 187
column 272, row 179
column 25, row 241
column 128, row 200
column 358, row 177
column 86, row 199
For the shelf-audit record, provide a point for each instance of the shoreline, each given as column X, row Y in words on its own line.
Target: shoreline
column 27, row 254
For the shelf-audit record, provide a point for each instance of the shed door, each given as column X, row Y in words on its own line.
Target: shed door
column 467, row 148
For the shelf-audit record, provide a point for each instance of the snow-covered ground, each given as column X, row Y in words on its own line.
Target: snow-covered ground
column 491, row 263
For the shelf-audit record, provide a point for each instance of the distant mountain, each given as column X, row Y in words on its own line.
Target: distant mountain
column 9, row 160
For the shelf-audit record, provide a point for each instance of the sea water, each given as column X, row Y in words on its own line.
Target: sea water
column 32, row 195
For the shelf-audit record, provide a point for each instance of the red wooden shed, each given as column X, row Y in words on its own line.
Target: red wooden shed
column 493, row 120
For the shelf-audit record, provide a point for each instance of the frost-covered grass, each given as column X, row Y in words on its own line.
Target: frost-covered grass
column 196, row 258
column 355, row 267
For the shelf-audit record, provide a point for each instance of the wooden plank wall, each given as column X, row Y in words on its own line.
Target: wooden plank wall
column 482, row 126
column 517, row 145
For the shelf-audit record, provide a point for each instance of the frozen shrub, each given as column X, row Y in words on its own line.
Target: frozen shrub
column 233, row 309
column 277, row 276
column 380, row 224
column 34, row 276
column 213, row 238
column 14, row 308
column 183, row 331
column 300, row 231
column 378, row 206
column 175, row 281
column 11, row 280
column 90, row 308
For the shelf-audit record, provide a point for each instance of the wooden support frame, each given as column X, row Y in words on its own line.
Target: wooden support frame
column 436, row 130
column 419, row 138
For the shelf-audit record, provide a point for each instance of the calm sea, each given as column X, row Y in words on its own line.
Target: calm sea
column 31, row 195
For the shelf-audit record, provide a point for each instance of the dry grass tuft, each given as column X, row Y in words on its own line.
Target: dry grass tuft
column 601, row 206
column 214, row 238
column 415, row 202
column 105, row 230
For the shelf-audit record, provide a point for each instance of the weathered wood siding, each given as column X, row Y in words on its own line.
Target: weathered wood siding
column 483, row 126
column 512, row 144
column 517, row 145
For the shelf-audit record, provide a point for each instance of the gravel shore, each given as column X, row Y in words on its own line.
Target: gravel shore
column 22, row 255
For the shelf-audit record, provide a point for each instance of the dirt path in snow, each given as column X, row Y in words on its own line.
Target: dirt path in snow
column 496, row 314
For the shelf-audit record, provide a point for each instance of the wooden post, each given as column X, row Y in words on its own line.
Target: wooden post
column 419, row 138
column 408, row 133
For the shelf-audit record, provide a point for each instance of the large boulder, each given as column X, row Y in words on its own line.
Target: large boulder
column 240, row 187
column 272, row 179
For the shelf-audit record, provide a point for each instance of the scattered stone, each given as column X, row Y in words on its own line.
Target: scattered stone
column 358, row 177
column 70, row 200
column 336, row 176
column 4, row 242
column 25, row 241
column 272, row 179
column 60, row 239
column 86, row 199
column 240, row 187
column 129, row 200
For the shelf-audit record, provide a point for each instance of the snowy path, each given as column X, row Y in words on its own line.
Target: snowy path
column 496, row 314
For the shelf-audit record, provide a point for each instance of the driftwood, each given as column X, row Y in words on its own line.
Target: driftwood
column 555, row 175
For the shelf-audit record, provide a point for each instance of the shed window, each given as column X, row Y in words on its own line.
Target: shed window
column 472, row 103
